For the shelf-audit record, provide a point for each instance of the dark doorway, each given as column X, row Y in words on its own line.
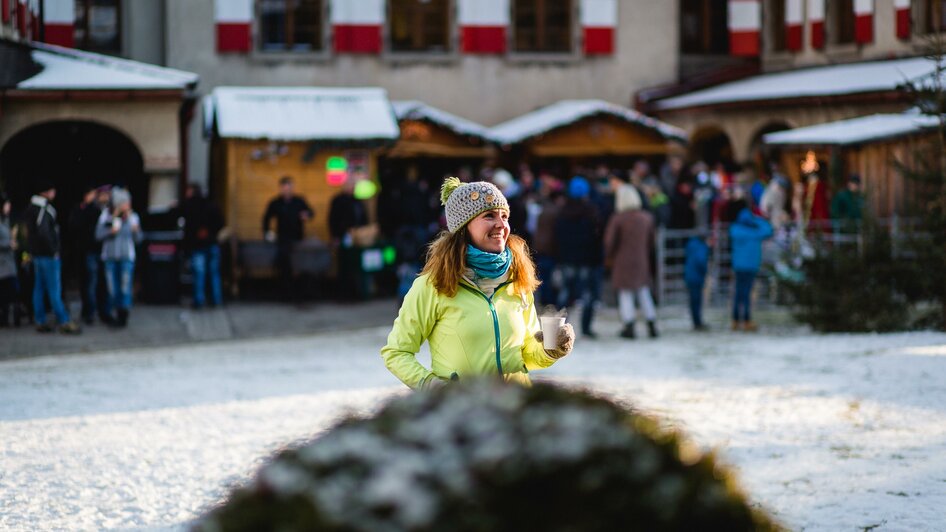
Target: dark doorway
column 711, row 145
column 72, row 155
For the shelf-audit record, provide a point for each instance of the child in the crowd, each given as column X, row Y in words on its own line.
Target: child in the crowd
column 694, row 274
column 746, row 234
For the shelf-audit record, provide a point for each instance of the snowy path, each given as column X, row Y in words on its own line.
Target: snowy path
column 829, row 432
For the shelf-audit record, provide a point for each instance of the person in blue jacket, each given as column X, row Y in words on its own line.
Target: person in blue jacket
column 746, row 235
column 694, row 274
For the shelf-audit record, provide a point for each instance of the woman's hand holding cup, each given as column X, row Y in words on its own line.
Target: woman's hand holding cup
column 560, row 338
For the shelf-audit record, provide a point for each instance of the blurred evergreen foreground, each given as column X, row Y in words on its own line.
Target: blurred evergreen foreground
column 482, row 456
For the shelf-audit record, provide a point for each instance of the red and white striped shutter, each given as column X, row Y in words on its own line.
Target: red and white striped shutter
column 902, row 8
column 22, row 18
column 745, row 22
column 863, row 21
column 483, row 26
column 794, row 22
column 816, row 23
column 598, row 20
column 59, row 17
column 233, row 19
column 356, row 26
column 33, row 7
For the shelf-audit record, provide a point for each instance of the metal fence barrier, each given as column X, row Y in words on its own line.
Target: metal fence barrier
column 788, row 242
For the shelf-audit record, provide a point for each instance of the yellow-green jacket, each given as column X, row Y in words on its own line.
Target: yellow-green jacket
column 469, row 334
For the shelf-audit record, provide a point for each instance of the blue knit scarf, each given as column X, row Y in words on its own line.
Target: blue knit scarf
column 488, row 265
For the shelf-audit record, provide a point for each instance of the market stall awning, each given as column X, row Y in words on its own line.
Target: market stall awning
column 855, row 131
column 301, row 114
column 816, row 82
column 41, row 67
column 417, row 110
column 427, row 131
column 587, row 128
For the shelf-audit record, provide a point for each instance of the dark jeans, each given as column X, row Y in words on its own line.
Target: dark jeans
column 7, row 299
column 696, row 303
column 92, row 300
column 119, row 275
column 741, row 301
column 206, row 262
column 47, row 283
column 581, row 283
column 284, row 266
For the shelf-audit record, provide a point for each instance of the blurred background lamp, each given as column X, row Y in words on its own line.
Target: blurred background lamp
column 365, row 189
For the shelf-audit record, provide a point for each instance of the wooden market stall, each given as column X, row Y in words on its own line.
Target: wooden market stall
column 320, row 137
column 870, row 146
column 433, row 144
column 582, row 130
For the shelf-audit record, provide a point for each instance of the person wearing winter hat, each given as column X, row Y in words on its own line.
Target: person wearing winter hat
column 119, row 229
column 473, row 302
column 628, row 242
column 578, row 235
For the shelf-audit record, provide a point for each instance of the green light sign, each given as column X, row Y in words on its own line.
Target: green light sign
column 365, row 189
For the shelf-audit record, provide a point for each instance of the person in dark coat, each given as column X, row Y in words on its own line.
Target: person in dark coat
column 545, row 246
column 628, row 241
column 346, row 212
column 682, row 213
column 88, row 251
column 202, row 223
column 290, row 213
column 43, row 246
column 579, row 250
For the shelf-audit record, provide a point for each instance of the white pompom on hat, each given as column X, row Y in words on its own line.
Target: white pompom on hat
column 465, row 201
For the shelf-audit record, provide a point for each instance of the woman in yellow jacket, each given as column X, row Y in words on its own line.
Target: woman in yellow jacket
column 473, row 301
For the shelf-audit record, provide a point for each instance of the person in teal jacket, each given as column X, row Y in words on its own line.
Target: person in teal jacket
column 746, row 234
column 473, row 302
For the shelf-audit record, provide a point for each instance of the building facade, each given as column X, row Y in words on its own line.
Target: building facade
column 799, row 50
column 81, row 119
column 484, row 60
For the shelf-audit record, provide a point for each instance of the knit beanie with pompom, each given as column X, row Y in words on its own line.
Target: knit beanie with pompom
column 465, row 201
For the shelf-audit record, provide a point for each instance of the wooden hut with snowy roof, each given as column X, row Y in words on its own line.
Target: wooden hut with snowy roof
column 433, row 144
column 321, row 137
column 584, row 130
column 869, row 146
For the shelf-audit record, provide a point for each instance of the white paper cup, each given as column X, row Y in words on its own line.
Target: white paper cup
column 550, row 327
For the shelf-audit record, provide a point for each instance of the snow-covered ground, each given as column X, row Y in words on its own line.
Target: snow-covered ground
column 840, row 432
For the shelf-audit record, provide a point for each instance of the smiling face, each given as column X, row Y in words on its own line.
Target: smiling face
column 490, row 230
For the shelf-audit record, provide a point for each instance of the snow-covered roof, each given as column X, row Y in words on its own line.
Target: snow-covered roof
column 855, row 130
column 567, row 112
column 834, row 80
column 68, row 69
column 303, row 113
column 417, row 110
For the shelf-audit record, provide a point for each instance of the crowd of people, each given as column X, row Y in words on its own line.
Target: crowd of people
column 599, row 223
column 104, row 232
column 583, row 227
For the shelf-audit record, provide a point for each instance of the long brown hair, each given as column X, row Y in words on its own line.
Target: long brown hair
column 446, row 262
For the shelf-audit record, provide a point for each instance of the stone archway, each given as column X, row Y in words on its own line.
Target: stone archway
column 72, row 155
column 711, row 144
column 762, row 156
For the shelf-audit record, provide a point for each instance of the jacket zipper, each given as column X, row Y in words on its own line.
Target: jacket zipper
column 492, row 309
